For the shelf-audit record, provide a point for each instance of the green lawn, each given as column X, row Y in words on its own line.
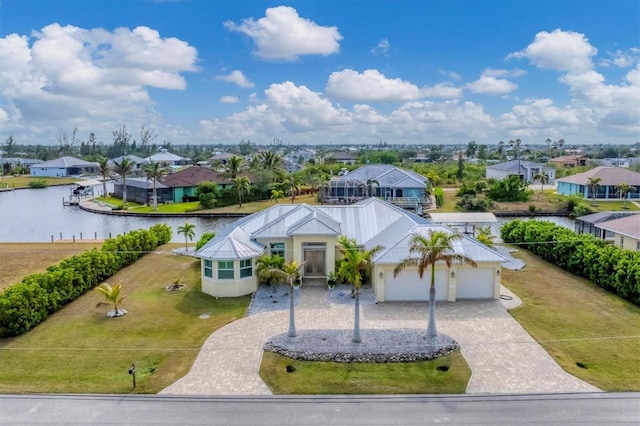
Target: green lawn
column 23, row 181
column 312, row 377
column 578, row 323
column 80, row 350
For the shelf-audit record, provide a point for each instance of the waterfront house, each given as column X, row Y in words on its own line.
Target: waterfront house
column 140, row 190
column 305, row 233
column 609, row 180
column 62, row 167
column 626, row 231
column 525, row 170
column 184, row 183
column 592, row 223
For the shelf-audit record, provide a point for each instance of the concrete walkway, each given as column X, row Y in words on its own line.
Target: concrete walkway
column 504, row 358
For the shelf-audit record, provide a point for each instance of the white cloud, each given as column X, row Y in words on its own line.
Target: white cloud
column 622, row 59
column 382, row 48
column 491, row 86
column 229, row 99
column 442, row 90
column 559, row 50
column 283, row 35
column 539, row 115
column 452, row 75
column 236, row 77
column 497, row 72
column 92, row 79
column 370, row 86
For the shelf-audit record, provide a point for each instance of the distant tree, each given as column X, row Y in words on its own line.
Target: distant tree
column 548, row 142
column 593, row 183
column 472, row 148
column 276, row 194
column 105, row 172
column 482, row 152
column 154, row 172
column 123, row 168
column 543, row 177
column 233, row 168
column 241, row 185
column 510, row 189
column 460, row 171
column 188, row 230
column 623, row 190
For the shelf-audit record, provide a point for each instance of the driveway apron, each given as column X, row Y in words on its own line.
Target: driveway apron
column 503, row 357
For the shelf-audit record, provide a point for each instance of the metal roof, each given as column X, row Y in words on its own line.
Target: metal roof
column 387, row 176
column 65, row 162
column 608, row 176
column 460, row 218
column 628, row 226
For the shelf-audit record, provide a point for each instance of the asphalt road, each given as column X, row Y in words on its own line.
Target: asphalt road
column 583, row 409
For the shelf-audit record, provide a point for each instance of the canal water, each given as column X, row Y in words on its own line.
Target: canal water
column 38, row 215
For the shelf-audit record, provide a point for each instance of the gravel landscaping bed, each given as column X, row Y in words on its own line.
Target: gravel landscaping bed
column 378, row 345
column 267, row 299
column 512, row 264
column 341, row 294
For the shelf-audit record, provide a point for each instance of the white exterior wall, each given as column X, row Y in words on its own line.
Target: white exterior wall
column 288, row 246
column 48, row 171
column 625, row 242
column 330, row 255
column 228, row 288
column 496, row 174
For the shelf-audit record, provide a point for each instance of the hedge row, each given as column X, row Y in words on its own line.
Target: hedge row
column 610, row 267
column 28, row 303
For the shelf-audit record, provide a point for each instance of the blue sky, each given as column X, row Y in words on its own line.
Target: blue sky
column 329, row 72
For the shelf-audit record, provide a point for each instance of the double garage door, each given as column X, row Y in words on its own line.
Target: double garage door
column 408, row 287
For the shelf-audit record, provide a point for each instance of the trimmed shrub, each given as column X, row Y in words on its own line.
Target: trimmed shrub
column 610, row 267
column 28, row 303
column 204, row 239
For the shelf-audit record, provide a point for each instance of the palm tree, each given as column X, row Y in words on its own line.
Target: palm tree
column 242, row 185
column 290, row 273
column 105, row 171
column 154, row 171
column 233, row 168
column 624, row 189
column 485, row 236
column 559, row 144
column 276, row 194
column 188, row 230
column 543, row 177
column 352, row 265
column 123, row 168
column 271, row 161
column 265, row 266
column 292, row 185
column 370, row 183
column 112, row 296
column 593, row 183
column 436, row 246
column 548, row 142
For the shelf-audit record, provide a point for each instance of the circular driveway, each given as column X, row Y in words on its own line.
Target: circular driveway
column 503, row 357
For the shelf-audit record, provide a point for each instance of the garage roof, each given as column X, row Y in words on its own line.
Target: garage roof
column 465, row 217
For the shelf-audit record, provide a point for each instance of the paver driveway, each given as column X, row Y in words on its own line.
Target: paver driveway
column 504, row 358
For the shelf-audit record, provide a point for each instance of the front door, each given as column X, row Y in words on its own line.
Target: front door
column 315, row 259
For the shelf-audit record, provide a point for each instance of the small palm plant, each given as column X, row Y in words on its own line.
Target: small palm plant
column 113, row 296
column 188, row 230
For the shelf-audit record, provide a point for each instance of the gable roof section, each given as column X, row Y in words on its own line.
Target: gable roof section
column 65, row 162
column 236, row 244
column 604, row 216
column 318, row 223
column 609, row 176
column 628, row 226
column 191, row 176
column 140, row 183
column 387, row 176
column 467, row 246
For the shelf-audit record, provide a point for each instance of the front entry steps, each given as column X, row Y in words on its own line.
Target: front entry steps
column 314, row 282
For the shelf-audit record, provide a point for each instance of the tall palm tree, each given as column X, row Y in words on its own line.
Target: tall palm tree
column 112, row 296
column 232, row 168
column 593, row 183
column 624, row 189
column 548, row 142
column 559, row 144
column 290, row 273
column 352, row 265
column 242, row 186
column 154, row 172
column 188, row 230
column 105, row 172
column 543, row 177
column 123, row 168
column 370, row 183
column 435, row 247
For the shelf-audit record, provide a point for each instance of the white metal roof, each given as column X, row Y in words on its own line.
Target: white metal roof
column 466, row 217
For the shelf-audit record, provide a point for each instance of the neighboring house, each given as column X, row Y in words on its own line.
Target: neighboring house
column 568, row 161
column 619, row 162
column 11, row 162
column 405, row 188
column 610, row 178
column 140, row 190
column 525, row 170
column 184, row 183
column 308, row 234
column 302, row 155
column 137, row 163
column 592, row 223
column 343, row 157
column 626, row 232
column 221, row 157
column 167, row 159
column 63, row 166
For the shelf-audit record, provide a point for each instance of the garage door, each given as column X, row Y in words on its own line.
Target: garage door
column 474, row 284
column 408, row 287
